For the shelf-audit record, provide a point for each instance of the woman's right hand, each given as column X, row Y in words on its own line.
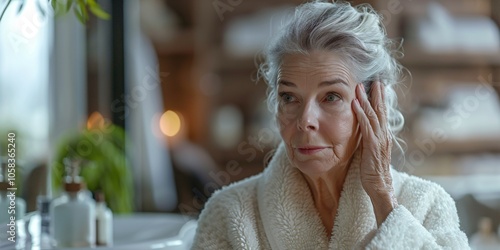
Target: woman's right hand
column 376, row 145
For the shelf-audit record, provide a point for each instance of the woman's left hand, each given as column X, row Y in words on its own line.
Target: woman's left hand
column 376, row 145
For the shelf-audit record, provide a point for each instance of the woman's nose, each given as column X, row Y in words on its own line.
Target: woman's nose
column 308, row 119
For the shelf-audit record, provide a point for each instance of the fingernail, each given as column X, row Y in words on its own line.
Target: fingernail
column 363, row 88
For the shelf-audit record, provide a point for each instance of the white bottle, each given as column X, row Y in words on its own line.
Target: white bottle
column 43, row 208
column 72, row 216
column 485, row 238
column 104, row 222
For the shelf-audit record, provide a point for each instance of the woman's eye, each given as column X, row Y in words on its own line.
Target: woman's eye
column 287, row 98
column 331, row 97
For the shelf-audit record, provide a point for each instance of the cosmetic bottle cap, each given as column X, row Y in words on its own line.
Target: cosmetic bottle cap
column 99, row 197
column 72, row 182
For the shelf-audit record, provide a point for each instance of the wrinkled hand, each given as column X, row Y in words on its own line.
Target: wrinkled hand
column 376, row 144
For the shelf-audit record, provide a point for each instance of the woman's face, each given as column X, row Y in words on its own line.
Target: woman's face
column 315, row 116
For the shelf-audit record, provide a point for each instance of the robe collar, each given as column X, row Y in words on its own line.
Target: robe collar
column 291, row 220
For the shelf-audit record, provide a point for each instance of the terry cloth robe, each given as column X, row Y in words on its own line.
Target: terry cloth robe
column 275, row 210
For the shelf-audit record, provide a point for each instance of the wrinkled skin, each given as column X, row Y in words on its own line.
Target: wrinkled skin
column 324, row 116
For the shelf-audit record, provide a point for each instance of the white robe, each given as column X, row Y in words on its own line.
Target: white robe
column 275, row 210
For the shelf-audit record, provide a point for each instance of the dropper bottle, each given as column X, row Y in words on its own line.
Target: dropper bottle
column 73, row 214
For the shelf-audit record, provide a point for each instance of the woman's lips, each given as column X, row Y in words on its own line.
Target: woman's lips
column 309, row 150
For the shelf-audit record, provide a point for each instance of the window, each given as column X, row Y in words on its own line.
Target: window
column 24, row 74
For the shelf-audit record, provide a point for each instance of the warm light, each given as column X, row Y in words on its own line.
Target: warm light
column 170, row 123
column 95, row 121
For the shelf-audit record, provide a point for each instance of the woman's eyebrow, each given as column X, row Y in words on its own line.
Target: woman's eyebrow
column 332, row 82
column 321, row 84
column 287, row 83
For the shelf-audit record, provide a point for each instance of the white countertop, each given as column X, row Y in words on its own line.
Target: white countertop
column 135, row 231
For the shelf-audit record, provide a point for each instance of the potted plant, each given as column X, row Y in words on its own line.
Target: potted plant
column 105, row 166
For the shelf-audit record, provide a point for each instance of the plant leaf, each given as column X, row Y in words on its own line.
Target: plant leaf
column 21, row 5
column 4, row 9
column 81, row 12
column 69, row 3
column 40, row 8
column 96, row 10
column 60, row 8
column 79, row 15
column 83, row 9
column 91, row 2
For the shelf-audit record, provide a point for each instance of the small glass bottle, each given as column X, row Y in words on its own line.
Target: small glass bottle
column 484, row 238
column 104, row 222
column 72, row 216
column 43, row 207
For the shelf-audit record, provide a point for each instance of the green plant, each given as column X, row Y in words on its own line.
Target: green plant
column 105, row 167
column 81, row 8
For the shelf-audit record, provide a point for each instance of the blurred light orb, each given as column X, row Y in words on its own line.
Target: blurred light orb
column 170, row 123
column 95, row 121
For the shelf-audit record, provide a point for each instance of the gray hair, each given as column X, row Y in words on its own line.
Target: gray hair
column 355, row 33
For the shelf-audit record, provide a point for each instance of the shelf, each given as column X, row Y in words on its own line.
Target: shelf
column 243, row 8
column 415, row 56
column 182, row 43
column 228, row 62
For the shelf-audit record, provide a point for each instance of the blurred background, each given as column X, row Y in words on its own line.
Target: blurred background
column 163, row 102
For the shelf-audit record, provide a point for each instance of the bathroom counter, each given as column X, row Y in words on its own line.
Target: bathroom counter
column 135, row 231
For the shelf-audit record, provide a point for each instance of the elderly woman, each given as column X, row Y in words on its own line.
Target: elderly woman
column 329, row 184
